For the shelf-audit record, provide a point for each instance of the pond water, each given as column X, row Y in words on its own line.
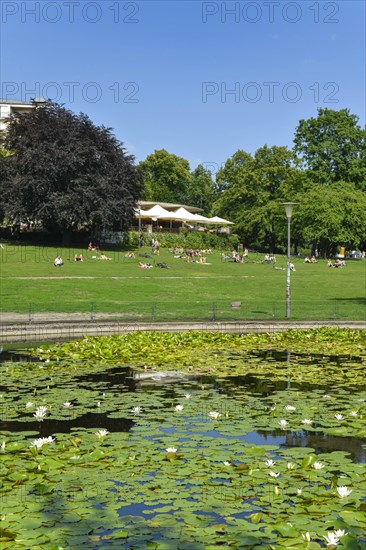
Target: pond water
column 148, row 458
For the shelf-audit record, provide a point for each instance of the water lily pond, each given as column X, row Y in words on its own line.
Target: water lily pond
column 189, row 442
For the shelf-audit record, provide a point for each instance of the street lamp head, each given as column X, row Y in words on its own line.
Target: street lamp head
column 289, row 208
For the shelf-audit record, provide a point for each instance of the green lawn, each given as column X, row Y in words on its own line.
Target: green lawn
column 29, row 281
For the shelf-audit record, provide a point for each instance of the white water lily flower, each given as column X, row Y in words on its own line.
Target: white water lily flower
column 98, row 404
column 41, row 441
column 290, row 408
column 67, row 404
column 291, row 465
column 307, row 421
column 270, row 463
column 187, row 395
column 299, row 491
column 171, row 450
column 283, row 423
column 340, row 533
column 41, row 413
column 306, row 536
column 136, row 410
column 102, row 433
column 272, row 409
column 353, row 413
column 318, row 465
column 274, row 474
column 331, row 539
column 29, row 405
column 343, row 491
column 2, row 446
column 214, row 414
column 226, row 463
column 326, row 396
column 179, row 408
column 339, row 416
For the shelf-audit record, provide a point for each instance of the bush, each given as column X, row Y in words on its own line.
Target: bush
column 187, row 239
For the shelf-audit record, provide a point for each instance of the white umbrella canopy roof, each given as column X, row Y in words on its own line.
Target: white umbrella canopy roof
column 220, row 221
column 183, row 215
column 201, row 219
column 159, row 213
column 139, row 213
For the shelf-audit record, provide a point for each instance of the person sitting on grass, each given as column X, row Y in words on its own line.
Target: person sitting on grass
column 79, row 258
column 92, row 246
column 330, row 264
column 58, row 262
column 130, row 255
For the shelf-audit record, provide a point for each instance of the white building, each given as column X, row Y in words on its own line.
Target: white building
column 9, row 106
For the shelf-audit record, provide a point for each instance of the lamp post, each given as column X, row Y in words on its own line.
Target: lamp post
column 139, row 237
column 289, row 208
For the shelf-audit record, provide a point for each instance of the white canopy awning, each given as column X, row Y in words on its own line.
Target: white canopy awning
column 159, row 213
column 183, row 215
column 220, row 221
column 201, row 219
column 139, row 213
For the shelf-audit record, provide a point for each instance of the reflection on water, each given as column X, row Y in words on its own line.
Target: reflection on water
column 168, row 385
column 50, row 427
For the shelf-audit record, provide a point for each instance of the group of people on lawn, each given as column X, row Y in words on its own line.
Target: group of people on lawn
column 190, row 255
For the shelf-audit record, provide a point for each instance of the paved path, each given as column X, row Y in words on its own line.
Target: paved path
column 71, row 328
column 56, row 278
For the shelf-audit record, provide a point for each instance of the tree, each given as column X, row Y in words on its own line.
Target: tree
column 331, row 216
column 253, row 187
column 201, row 189
column 332, row 147
column 66, row 172
column 166, row 177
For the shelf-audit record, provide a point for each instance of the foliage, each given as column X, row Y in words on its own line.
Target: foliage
column 253, row 188
column 166, row 177
column 221, row 457
column 332, row 147
column 191, row 239
column 66, row 172
column 329, row 217
column 201, row 189
column 166, row 349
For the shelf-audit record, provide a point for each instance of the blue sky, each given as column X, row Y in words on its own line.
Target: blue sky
column 200, row 79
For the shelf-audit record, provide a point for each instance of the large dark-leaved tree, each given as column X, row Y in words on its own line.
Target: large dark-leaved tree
column 67, row 173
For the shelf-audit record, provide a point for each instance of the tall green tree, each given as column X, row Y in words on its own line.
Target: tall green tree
column 332, row 147
column 166, row 177
column 201, row 189
column 66, row 172
column 331, row 216
column 252, row 188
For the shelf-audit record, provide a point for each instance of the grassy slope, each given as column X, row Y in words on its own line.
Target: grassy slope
column 317, row 291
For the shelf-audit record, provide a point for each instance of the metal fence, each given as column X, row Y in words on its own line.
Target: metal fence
column 198, row 311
